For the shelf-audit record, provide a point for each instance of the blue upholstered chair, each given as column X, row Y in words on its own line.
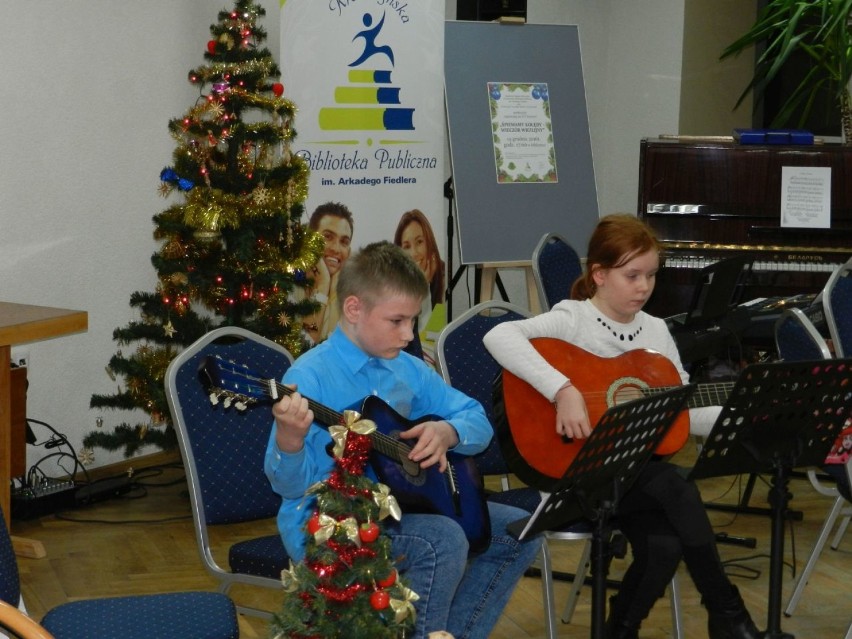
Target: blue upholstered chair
column 837, row 300
column 555, row 266
column 223, row 451
column 185, row 615
column 467, row 365
column 797, row 339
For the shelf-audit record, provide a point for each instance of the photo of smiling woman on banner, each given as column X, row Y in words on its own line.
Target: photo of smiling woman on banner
column 415, row 236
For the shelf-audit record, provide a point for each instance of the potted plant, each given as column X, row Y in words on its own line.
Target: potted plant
column 819, row 29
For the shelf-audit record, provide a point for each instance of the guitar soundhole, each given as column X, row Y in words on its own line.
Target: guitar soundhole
column 625, row 390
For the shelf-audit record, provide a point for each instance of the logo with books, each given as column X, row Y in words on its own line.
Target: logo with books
column 368, row 101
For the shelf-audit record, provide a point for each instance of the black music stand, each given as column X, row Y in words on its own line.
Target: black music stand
column 778, row 416
column 605, row 467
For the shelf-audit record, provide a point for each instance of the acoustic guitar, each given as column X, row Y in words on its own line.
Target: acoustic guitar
column 526, row 420
column 456, row 493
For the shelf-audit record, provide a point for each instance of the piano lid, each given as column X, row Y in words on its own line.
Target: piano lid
column 718, row 192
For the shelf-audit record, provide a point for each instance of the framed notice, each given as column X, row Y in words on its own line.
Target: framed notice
column 523, row 132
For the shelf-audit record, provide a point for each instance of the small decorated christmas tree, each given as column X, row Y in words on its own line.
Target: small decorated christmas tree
column 234, row 251
column 348, row 579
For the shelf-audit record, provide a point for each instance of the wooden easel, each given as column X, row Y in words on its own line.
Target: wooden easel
column 489, row 278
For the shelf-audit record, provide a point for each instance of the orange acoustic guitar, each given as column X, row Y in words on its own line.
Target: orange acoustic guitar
column 526, row 420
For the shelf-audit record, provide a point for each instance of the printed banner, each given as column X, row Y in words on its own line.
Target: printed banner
column 367, row 78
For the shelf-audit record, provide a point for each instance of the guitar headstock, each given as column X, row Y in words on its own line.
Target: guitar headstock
column 231, row 383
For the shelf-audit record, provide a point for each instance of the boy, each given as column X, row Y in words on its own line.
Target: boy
column 380, row 292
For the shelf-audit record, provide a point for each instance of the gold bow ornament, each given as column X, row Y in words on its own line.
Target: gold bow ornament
column 351, row 421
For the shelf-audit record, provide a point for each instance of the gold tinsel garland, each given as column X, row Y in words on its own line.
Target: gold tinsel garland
column 260, row 101
column 213, row 209
column 217, row 70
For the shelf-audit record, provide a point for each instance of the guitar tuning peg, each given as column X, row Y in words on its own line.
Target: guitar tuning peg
column 227, row 402
column 240, row 406
column 214, row 399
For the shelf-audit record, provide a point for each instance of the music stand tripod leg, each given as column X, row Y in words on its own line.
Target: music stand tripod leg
column 601, row 559
column 779, row 498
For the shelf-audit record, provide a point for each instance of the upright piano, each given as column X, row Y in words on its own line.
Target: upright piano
column 711, row 200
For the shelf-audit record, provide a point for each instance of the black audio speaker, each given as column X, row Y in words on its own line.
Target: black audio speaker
column 489, row 10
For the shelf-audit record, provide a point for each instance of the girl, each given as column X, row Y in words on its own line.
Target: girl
column 662, row 514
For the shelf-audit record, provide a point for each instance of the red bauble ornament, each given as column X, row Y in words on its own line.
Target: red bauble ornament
column 380, row 600
column 211, row 46
column 388, row 581
column 369, row 532
column 278, row 89
column 313, row 523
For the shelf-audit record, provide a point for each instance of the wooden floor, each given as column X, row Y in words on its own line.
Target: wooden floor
column 147, row 545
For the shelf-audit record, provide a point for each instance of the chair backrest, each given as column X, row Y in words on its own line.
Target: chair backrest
column 467, row 365
column 555, row 266
column 10, row 579
column 797, row 339
column 837, row 300
column 223, row 448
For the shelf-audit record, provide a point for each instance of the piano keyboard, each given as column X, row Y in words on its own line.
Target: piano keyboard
column 700, row 261
column 695, row 255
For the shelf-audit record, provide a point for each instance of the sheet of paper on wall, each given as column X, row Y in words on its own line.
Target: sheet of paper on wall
column 806, row 197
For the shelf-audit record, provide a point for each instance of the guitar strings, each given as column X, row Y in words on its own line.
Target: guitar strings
column 385, row 444
column 718, row 390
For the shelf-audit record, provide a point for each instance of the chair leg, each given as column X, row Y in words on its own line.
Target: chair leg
column 841, row 529
column 579, row 580
column 547, row 591
column 815, row 553
column 677, row 613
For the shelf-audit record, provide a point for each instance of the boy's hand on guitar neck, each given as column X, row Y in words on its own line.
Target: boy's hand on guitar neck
column 572, row 416
column 293, row 418
column 433, row 440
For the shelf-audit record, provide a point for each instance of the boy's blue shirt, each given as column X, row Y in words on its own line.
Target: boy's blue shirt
column 338, row 374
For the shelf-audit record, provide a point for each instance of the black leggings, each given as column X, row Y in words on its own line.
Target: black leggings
column 664, row 520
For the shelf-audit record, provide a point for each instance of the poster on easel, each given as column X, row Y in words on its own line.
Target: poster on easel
column 520, row 146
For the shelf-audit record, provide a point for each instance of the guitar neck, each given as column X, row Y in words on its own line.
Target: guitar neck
column 711, row 394
column 327, row 417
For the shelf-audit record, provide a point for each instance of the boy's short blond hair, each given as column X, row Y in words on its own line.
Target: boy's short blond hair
column 378, row 270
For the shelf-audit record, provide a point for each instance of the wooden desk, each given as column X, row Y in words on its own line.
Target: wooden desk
column 20, row 324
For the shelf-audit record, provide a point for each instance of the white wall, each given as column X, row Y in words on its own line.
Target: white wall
column 89, row 88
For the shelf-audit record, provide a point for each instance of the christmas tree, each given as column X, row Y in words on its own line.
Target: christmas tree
column 234, row 252
column 348, row 578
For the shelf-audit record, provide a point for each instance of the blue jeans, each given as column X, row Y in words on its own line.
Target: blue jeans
column 461, row 594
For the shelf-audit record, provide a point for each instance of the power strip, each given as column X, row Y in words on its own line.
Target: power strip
column 103, row 489
column 54, row 495
column 49, row 496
